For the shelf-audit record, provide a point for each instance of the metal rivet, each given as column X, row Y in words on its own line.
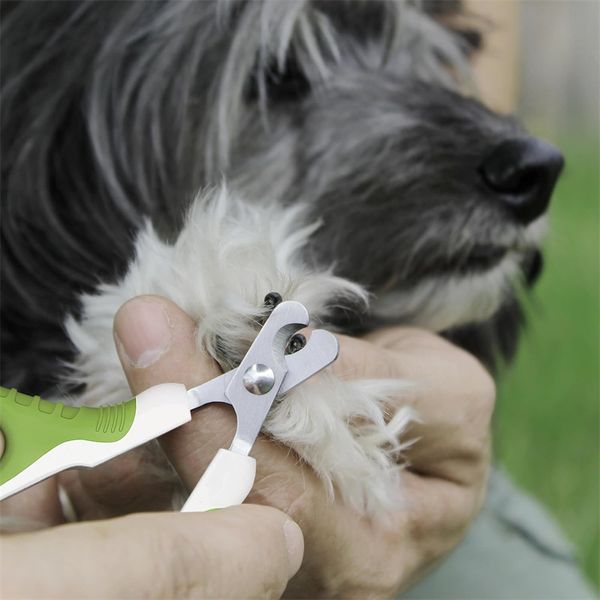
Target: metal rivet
column 259, row 379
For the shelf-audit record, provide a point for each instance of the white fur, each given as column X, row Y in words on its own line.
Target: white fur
column 439, row 303
column 227, row 258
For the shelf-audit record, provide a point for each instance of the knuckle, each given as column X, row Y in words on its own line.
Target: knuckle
column 393, row 581
column 473, row 395
column 484, row 388
column 380, row 583
column 381, row 573
column 475, row 385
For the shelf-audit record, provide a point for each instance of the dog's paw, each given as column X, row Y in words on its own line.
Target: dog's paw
column 228, row 256
column 349, row 434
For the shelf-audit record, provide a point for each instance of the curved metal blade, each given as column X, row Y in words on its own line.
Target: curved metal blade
column 267, row 356
column 320, row 351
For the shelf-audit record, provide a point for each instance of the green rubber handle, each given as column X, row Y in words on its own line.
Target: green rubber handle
column 32, row 427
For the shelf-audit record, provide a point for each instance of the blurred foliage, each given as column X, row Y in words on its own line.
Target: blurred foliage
column 548, row 417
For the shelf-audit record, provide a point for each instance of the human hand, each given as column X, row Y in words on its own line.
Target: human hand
column 240, row 552
column 346, row 554
column 140, row 480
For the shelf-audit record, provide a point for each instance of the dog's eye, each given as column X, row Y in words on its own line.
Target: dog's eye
column 286, row 85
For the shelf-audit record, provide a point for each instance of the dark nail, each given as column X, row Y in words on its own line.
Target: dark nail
column 297, row 342
column 272, row 299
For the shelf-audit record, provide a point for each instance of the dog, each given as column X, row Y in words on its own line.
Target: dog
column 343, row 162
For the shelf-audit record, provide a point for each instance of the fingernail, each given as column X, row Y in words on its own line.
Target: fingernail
column 143, row 332
column 294, row 541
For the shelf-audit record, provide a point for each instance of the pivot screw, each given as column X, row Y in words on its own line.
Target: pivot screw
column 259, row 379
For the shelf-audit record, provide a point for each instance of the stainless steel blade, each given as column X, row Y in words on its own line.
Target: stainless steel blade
column 211, row 391
column 320, row 351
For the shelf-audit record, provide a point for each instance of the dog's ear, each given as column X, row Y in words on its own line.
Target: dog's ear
column 281, row 84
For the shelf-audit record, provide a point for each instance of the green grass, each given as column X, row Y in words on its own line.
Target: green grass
column 548, row 417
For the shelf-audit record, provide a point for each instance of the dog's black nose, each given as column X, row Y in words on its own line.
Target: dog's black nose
column 523, row 172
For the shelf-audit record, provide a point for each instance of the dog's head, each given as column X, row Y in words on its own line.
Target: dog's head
column 355, row 108
column 431, row 200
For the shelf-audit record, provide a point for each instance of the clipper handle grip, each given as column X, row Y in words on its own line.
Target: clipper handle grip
column 227, row 481
column 43, row 438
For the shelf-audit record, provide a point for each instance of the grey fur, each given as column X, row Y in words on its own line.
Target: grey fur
column 116, row 110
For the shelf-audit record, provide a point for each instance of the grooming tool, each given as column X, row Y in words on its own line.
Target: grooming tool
column 43, row 438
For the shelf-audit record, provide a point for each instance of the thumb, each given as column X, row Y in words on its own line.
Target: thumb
column 156, row 343
column 241, row 552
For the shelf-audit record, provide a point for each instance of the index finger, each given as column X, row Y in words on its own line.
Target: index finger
column 240, row 552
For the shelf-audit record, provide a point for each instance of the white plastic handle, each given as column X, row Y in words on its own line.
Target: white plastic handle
column 159, row 409
column 226, row 482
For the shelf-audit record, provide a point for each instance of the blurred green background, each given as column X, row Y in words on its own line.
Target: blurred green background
column 548, row 418
column 548, row 415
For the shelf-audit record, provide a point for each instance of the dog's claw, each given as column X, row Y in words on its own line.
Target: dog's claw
column 272, row 299
column 296, row 343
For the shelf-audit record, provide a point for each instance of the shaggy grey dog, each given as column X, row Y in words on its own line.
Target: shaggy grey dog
column 363, row 179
